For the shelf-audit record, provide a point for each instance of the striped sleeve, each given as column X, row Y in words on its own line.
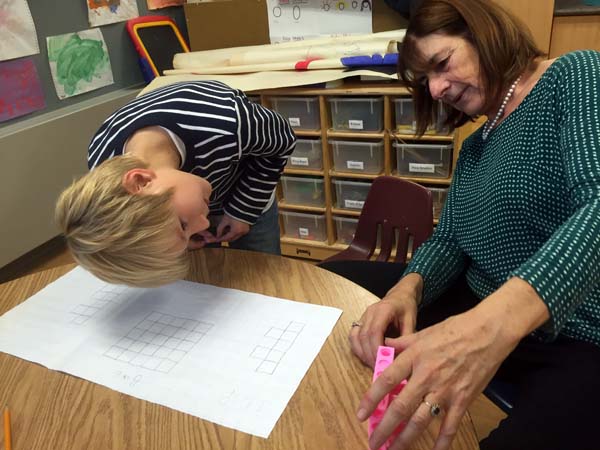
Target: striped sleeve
column 266, row 140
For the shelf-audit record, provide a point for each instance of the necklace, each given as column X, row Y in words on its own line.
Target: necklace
column 490, row 125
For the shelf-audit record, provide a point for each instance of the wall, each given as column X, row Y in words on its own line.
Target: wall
column 40, row 154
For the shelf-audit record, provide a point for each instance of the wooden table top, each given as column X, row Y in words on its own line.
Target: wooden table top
column 53, row 410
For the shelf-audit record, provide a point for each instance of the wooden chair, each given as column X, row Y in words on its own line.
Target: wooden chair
column 395, row 213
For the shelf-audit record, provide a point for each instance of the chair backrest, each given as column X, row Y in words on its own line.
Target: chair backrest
column 396, row 210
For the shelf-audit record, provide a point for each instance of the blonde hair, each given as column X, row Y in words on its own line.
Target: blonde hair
column 121, row 238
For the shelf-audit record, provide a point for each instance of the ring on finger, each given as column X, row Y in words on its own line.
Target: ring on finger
column 434, row 408
column 356, row 323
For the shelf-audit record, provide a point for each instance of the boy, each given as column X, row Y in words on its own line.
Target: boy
column 160, row 165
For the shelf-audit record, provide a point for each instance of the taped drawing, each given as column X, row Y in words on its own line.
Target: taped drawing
column 20, row 89
column 79, row 62
column 17, row 30
column 157, row 4
column 103, row 12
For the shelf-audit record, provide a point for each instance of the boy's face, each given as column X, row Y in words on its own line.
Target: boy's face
column 191, row 196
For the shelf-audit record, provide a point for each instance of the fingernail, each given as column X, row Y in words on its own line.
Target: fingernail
column 361, row 414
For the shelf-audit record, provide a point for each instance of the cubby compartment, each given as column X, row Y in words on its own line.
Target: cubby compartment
column 356, row 114
column 301, row 112
column 405, row 115
column 438, row 195
column 350, row 194
column 307, row 191
column 297, row 225
column 423, row 160
column 345, row 227
column 307, row 155
column 357, row 156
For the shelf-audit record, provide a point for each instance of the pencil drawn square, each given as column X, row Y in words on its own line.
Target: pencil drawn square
column 274, row 356
column 274, row 333
column 185, row 346
column 127, row 356
column 283, row 346
column 169, row 330
column 163, row 352
column 136, row 333
column 181, row 333
column 150, row 349
column 148, row 337
column 152, row 363
column 159, row 339
column 173, row 343
column 295, row 327
column 267, row 367
column 166, row 366
column 138, row 346
column 177, row 355
column 260, row 352
column 114, row 352
column 289, row 335
column 157, row 327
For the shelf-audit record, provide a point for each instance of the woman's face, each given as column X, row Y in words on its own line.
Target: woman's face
column 455, row 77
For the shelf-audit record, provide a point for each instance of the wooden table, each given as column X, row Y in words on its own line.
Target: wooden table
column 52, row 410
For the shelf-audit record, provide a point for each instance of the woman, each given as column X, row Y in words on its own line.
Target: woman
column 509, row 284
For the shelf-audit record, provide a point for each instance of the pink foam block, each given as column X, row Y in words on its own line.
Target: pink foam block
column 385, row 356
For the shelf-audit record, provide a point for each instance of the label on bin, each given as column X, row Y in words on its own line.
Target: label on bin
column 356, row 204
column 357, row 165
column 355, row 124
column 294, row 121
column 303, row 232
column 422, row 168
column 297, row 161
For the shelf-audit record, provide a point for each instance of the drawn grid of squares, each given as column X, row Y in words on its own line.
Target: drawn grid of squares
column 104, row 296
column 274, row 345
column 159, row 341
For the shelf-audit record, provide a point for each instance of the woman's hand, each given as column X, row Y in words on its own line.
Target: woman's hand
column 398, row 308
column 450, row 363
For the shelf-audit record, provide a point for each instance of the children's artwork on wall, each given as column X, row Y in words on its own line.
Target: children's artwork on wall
column 17, row 30
column 157, row 4
column 79, row 62
column 103, row 12
column 20, row 89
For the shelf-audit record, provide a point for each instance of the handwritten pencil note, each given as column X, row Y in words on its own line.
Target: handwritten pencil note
column 230, row 357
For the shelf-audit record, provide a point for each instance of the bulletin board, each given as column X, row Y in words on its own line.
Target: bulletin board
column 67, row 16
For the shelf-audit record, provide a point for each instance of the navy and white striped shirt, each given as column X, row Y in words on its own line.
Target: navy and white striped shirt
column 238, row 146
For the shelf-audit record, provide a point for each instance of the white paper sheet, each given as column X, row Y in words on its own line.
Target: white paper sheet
column 231, row 357
column 292, row 20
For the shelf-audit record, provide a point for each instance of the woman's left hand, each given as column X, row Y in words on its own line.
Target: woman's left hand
column 230, row 229
column 447, row 364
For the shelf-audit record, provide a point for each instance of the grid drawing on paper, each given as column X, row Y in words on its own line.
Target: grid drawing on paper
column 274, row 345
column 159, row 341
column 104, row 296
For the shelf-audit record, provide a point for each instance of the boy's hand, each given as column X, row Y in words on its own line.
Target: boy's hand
column 200, row 239
column 230, row 229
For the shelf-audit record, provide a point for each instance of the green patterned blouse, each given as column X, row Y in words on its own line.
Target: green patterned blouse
column 526, row 203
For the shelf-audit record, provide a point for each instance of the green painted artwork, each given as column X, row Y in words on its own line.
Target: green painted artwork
column 79, row 62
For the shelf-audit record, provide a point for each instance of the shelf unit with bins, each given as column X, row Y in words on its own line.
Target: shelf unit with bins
column 319, row 250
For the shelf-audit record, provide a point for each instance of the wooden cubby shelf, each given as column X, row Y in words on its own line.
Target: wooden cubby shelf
column 321, row 249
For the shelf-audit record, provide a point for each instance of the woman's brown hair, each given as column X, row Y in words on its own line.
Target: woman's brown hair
column 504, row 45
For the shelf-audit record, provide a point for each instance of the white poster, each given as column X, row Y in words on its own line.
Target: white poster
column 17, row 30
column 293, row 20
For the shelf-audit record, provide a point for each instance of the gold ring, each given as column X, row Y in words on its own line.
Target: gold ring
column 356, row 324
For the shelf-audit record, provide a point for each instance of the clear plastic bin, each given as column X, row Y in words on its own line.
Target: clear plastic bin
column 345, row 228
column 357, row 156
column 307, row 155
column 405, row 115
column 303, row 190
column 423, row 160
column 438, row 195
column 351, row 194
column 301, row 112
column 304, row 226
column 356, row 114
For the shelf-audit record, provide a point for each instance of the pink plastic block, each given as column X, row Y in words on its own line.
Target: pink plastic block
column 385, row 356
